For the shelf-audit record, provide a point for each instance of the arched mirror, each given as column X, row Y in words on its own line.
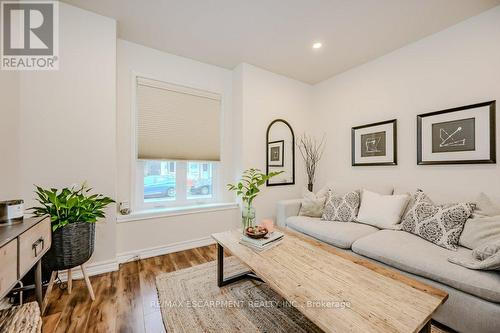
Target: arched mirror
column 280, row 153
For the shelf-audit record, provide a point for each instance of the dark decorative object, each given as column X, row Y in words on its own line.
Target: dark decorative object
column 256, row 232
column 280, row 133
column 375, row 144
column 463, row 135
column 311, row 151
column 71, row 246
column 457, row 135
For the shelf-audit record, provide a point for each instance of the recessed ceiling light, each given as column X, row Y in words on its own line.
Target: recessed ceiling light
column 317, row 45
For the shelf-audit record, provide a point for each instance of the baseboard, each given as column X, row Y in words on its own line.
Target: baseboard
column 95, row 268
column 107, row 266
column 164, row 249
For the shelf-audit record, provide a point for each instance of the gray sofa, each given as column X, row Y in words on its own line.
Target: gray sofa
column 474, row 296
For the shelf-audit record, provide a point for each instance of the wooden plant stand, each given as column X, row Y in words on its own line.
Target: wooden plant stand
column 70, row 284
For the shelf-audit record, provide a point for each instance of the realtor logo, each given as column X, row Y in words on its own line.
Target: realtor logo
column 29, row 33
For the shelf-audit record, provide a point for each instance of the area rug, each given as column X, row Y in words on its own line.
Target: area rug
column 190, row 301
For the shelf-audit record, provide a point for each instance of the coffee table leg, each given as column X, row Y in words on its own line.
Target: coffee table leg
column 220, row 265
column 221, row 281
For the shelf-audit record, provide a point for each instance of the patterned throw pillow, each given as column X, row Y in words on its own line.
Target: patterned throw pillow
column 439, row 224
column 341, row 208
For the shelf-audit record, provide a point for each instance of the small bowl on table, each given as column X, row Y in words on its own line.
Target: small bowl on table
column 256, row 232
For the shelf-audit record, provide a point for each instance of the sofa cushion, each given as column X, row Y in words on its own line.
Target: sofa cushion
column 339, row 234
column 415, row 255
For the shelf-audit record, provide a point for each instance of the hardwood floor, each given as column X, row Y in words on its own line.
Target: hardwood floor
column 125, row 300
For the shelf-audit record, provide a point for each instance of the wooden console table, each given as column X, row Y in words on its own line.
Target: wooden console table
column 22, row 246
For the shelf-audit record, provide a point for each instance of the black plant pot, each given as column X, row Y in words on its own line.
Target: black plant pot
column 72, row 245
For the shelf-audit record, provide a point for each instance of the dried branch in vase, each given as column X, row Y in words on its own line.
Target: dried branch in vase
column 311, row 151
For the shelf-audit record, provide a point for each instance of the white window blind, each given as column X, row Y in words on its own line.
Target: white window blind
column 177, row 123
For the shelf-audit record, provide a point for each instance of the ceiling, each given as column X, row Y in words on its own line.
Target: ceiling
column 277, row 35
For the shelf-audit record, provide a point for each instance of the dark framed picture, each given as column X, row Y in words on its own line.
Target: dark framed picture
column 276, row 153
column 375, row 144
column 463, row 135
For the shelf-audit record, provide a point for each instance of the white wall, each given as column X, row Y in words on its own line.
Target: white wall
column 9, row 136
column 455, row 67
column 144, row 234
column 262, row 97
column 75, row 124
column 67, row 117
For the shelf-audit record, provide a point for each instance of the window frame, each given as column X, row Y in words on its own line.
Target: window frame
column 136, row 187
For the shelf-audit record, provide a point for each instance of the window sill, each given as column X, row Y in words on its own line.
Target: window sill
column 175, row 211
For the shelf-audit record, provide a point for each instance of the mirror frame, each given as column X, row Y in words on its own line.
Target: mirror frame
column 293, row 152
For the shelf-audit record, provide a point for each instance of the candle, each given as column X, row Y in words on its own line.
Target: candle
column 268, row 224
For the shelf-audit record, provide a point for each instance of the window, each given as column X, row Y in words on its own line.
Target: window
column 199, row 180
column 178, row 145
column 159, row 181
column 175, row 183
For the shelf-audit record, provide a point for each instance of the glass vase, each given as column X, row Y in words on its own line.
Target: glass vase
column 247, row 217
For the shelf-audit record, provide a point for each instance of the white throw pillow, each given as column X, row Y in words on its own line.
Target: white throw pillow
column 382, row 211
column 312, row 205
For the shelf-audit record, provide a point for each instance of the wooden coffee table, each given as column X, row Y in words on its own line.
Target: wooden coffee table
column 335, row 290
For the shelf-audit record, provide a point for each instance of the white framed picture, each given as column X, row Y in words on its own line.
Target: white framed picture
column 463, row 135
column 375, row 144
column 275, row 151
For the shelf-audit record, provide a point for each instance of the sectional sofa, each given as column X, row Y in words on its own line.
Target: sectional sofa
column 474, row 296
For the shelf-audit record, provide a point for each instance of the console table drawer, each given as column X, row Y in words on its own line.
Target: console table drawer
column 33, row 244
column 8, row 265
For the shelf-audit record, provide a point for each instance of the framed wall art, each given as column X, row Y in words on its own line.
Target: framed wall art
column 275, row 151
column 463, row 135
column 280, row 152
column 375, row 144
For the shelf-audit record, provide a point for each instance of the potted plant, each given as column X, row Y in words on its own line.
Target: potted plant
column 248, row 188
column 73, row 212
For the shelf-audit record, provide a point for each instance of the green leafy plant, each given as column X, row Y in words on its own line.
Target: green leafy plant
column 70, row 205
column 248, row 187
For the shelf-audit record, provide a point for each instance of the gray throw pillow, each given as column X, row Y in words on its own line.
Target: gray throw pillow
column 485, row 206
column 480, row 230
column 485, row 257
column 312, row 204
column 341, row 208
column 439, row 224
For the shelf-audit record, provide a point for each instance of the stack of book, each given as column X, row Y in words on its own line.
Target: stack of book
column 264, row 243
